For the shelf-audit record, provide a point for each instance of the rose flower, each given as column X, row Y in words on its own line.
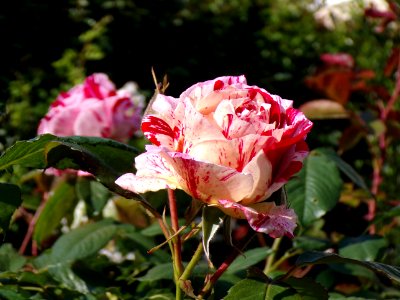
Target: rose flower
column 95, row 108
column 228, row 145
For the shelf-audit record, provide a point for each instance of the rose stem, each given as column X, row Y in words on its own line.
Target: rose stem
column 176, row 242
column 31, row 227
column 271, row 258
column 192, row 263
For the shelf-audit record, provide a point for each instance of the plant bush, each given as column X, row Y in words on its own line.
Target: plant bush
column 67, row 236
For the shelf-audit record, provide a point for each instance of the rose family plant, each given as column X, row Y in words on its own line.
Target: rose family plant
column 94, row 108
column 228, row 145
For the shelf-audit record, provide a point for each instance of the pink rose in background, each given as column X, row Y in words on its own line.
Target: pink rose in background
column 95, row 108
column 227, row 144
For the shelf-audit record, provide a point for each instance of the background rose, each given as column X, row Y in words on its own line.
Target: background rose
column 95, row 108
column 227, row 144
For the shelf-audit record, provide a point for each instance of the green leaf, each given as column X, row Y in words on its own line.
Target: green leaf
column 365, row 248
column 7, row 293
column 316, row 189
column 151, row 231
column 212, row 220
column 362, row 248
column 60, row 202
column 82, row 242
column 248, row 259
column 161, row 271
column 105, row 158
column 142, row 242
column 345, row 168
column 10, row 260
column 253, row 289
column 307, row 288
column 99, row 196
column 10, row 200
column 310, row 243
column 314, row 257
column 26, row 153
column 63, row 274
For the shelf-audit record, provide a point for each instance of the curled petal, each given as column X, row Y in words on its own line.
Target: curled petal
column 265, row 217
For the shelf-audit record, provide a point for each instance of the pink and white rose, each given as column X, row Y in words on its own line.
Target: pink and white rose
column 95, row 108
column 227, row 144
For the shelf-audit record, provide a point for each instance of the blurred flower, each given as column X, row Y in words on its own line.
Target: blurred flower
column 228, row 145
column 338, row 59
column 330, row 12
column 384, row 15
column 95, row 108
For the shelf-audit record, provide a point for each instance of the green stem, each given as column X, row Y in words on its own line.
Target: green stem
column 270, row 260
column 198, row 254
column 286, row 256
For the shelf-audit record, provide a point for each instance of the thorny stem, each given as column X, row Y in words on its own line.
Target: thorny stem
column 211, row 280
column 176, row 242
column 271, row 258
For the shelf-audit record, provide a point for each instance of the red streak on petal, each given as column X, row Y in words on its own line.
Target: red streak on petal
column 60, row 100
column 252, row 93
column 241, row 157
column 227, row 126
column 120, row 103
column 153, row 126
column 226, row 177
column 258, row 222
column 91, row 88
column 191, row 178
column 218, row 85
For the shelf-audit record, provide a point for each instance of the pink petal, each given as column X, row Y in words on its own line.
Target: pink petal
column 165, row 108
column 98, row 86
column 60, row 123
column 235, row 153
column 265, row 217
column 91, row 120
column 261, row 170
column 202, row 89
column 139, row 185
column 203, row 181
column 158, row 131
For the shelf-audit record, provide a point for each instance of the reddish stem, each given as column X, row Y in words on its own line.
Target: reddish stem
column 177, row 244
column 31, row 227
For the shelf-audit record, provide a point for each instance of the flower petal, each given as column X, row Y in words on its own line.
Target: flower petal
column 204, row 181
column 265, row 217
column 260, row 169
